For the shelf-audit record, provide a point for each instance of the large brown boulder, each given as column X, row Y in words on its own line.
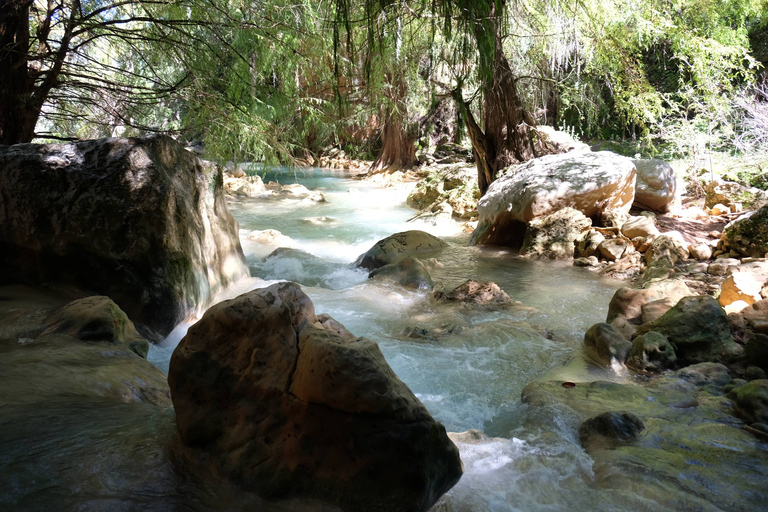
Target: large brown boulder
column 628, row 302
column 592, row 183
column 142, row 221
column 288, row 404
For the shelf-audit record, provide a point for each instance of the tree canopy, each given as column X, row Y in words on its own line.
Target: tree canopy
column 279, row 80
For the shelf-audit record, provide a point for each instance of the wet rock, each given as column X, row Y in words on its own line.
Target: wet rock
column 656, row 185
column 756, row 350
column 652, row 352
column 740, row 286
column 399, row 245
column 554, row 236
column 750, row 401
column 96, row 318
column 408, row 272
column 270, row 398
column 142, row 221
column 705, row 374
column 589, row 182
column 474, row 292
column 735, row 383
column 748, row 235
column 613, row 426
column 639, row 226
column 628, row 302
column 589, row 242
column 699, row 329
column 605, row 342
column 754, row 373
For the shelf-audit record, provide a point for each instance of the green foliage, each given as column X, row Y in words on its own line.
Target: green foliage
column 276, row 80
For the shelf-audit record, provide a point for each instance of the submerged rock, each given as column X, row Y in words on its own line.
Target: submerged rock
column 612, row 426
column 286, row 405
column 399, row 245
column 142, row 221
column 606, row 342
column 408, row 272
column 591, row 183
column 84, row 351
column 686, row 429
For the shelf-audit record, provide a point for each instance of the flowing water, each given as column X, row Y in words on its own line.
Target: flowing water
column 467, row 366
column 61, row 451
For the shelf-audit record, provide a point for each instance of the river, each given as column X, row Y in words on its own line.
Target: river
column 470, row 375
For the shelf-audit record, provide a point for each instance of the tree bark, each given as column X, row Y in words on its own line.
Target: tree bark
column 398, row 146
column 17, row 122
column 508, row 136
column 398, row 150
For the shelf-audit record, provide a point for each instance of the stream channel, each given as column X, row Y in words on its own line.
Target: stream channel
column 467, row 366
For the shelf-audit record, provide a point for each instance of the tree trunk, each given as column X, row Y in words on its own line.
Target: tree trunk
column 508, row 136
column 17, row 120
column 398, row 146
column 398, row 149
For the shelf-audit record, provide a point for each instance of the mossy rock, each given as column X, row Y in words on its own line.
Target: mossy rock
column 748, row 235
column 699, row 329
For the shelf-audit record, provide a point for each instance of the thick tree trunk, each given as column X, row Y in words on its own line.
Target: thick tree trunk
column 398, row 146
column 17, row 120
column 398, row 150
column 508, row 136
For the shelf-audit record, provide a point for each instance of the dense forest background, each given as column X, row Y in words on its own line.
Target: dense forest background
column 284, row 81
